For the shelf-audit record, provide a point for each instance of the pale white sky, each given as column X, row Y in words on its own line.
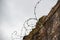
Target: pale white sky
column 15, row 12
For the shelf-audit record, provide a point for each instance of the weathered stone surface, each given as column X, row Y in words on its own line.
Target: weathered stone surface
column 47, row 27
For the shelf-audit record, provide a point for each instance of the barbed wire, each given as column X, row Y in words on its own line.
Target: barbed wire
column 32, row 18
column 35, row 9
column 27, row 23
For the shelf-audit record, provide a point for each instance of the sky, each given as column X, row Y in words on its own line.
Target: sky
column 13, row 14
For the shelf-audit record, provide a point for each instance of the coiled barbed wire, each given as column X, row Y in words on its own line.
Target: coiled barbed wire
column 26, row 22
column 32, row 18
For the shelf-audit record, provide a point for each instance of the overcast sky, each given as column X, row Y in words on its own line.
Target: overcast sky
column 13, row 13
